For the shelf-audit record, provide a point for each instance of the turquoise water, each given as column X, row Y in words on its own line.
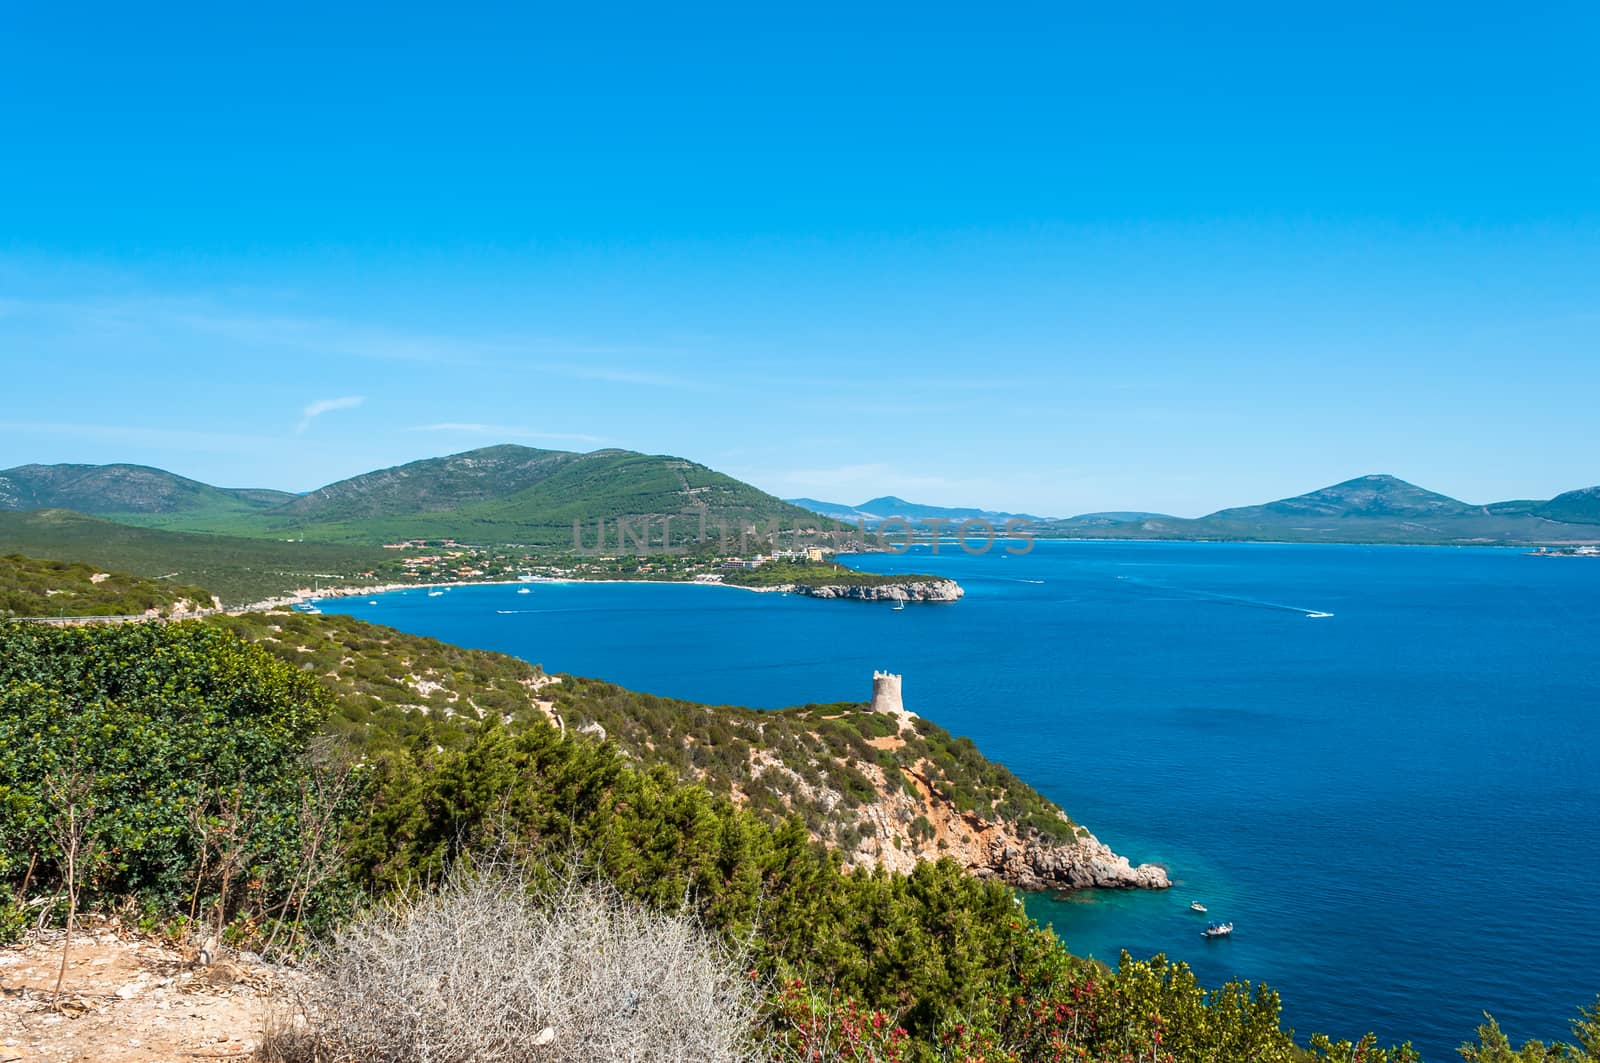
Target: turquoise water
column 1397, row 805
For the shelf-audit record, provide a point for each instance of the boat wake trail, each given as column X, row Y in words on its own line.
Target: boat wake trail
column 1231, row 599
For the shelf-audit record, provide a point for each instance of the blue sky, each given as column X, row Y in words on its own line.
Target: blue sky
column 1045, row 259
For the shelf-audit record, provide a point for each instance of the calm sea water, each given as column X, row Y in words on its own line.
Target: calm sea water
column 1398, row 805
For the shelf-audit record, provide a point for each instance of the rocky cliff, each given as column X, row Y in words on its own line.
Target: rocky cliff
column 993, row 847
column 916, row 818
column 935, row 590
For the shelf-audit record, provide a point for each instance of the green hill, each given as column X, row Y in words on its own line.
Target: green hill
column 520, row 495
column 236, row 570
column 32, row 587
column 1575, row 507
column 430, row 486
column 514, row 494
column 126, row 489
column 1368, row 509
column 496, row 495
column 1374, row 496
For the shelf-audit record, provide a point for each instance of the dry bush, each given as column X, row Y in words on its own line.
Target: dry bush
column 484, row 970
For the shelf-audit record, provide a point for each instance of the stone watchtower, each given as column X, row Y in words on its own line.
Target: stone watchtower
column 886, row 693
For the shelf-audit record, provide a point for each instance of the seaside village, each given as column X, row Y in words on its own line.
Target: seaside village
column 448, row 560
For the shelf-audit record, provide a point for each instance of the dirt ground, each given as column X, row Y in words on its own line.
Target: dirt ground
column 127, row 1000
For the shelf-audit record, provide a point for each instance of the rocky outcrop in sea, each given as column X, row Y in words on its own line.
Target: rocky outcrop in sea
column 934, row 590
column 1087, row 863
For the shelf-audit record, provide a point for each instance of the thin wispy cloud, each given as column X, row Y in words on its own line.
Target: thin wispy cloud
column 165, row 320
column 612, row 375
column 140, row 435
column 322, row 406
column 503, row 431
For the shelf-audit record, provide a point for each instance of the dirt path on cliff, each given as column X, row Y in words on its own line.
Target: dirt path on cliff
column 126, row 1000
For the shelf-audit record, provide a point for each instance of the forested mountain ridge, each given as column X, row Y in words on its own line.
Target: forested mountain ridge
column 1377, row 508
column 519, row 494
column 507, row 494
column 511, row 494
column 104, row 489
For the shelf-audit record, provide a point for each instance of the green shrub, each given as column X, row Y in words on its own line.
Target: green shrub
column 182, row 749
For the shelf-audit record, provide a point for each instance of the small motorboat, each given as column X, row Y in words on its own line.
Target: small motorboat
column 524, row 590
column 434, row 594
column 1196, row 906
column 1217, row 930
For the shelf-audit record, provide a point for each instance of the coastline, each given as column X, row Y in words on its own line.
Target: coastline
column 305, row 595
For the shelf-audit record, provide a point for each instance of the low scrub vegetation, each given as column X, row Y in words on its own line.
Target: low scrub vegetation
column 494, row 966
column 30, row 587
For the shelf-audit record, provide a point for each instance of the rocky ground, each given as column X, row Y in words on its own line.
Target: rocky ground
column 128, row 1000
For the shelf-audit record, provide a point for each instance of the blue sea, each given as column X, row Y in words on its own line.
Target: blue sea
column 1398, row 805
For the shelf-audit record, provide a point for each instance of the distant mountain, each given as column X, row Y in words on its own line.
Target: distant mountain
column 1106, row 520
column 500, row 494
column 433, row 485
column 833, row 510
column 1377, row 508
column 523, row 495
column 119, row 489
column 1377, row 496
column 515, row 494
column 880, row 509
column 1576, row 507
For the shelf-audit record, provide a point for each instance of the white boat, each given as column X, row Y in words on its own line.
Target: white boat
column 372, row 601
column 1196, row 906
column 1217, row 930
column 524, row 590
column 1317, row 616
column 434, row 594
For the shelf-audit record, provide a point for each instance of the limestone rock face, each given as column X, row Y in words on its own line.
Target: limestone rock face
column 934, row 590
column 989, row 847
column 1086, row 864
